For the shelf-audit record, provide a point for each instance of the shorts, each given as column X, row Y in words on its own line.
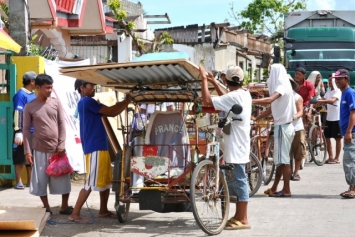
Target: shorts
column 237, row 182
column 18, row 156
column 40, row 180
column 332, row 129
column 283, row 138
column 298, row 146
column 98, row 171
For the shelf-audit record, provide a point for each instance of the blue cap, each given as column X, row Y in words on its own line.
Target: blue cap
column 325, row 80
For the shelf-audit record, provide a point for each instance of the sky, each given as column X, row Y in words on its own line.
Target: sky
column 189, row 12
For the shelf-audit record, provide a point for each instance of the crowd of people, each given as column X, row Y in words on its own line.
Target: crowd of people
column 39, row 126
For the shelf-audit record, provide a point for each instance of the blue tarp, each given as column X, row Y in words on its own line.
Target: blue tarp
column 161, row 56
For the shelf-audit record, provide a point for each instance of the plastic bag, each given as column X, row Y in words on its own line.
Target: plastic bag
column 59, row 165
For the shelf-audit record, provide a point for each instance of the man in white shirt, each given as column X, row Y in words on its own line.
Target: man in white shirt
column 283, row 110
column 237, row 142
column 332, row 129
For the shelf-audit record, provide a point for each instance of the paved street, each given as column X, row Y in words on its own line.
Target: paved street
column 315, row 209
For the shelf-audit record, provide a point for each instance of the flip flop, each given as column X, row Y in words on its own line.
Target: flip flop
column 268, row 191
column 280, row 195
column 233, row 224
column 350, row 194
column 330, row 161
column 67, row 211
column 337, row 161
column 109, row 215
column 78, row 220
column 19, row 186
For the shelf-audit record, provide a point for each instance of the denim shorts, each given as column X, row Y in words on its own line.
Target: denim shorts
column 237, row 182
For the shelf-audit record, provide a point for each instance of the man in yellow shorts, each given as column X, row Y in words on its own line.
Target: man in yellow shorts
column 95, row 145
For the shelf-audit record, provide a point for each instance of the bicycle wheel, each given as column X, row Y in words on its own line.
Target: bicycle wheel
column 254, row 173
column 268, row 163
column 122, row 210
column 209, row 206
column 319, row 146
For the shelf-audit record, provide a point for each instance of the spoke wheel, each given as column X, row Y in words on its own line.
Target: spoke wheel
column 210, row 207
column 319, row 146
column 268, row 163
column 122, row 209
column 254, row 173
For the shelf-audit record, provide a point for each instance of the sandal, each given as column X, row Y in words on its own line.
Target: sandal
column 350, row 194
column 296, row 177
column 19, row 185
column 330, row 161
column 67, row 211
column 268, row 191
column 233, row 224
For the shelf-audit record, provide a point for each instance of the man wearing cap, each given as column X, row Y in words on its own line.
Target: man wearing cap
column 347, row 126
column 306, row 91
column 332, row 127
column 223, row 77
column 236, row 141
column 283, row 110
column 21, row 98
column 95, row 145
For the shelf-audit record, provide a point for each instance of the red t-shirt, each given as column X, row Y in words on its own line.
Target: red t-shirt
column 306, row 91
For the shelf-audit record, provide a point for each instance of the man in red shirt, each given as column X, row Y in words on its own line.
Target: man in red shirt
column 306, row 90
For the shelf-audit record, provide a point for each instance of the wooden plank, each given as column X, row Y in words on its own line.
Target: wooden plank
column 21, row 218
column 203, row 33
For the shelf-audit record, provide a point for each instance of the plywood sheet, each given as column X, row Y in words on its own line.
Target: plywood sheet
column 21, row 218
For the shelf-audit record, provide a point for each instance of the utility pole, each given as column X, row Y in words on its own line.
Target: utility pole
column 19, row 24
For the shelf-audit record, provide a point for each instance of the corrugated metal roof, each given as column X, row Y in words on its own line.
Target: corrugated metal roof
column 125, row 76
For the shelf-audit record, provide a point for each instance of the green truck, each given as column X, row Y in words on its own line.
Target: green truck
column 321, row 41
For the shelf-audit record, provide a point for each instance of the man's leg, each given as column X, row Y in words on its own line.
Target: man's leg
column 242, row 212
column 278, row 175
column 297, row 166
column 329, row 149
column 29, row 171
column 18, row 172
column 337, row 149
column 44, row 200
column 83, row 195
column 104, row 195
column 286, row 171
column 65, row 198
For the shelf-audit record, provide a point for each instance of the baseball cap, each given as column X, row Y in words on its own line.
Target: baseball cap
column 31, row 75
column 295, row 85
column 341, row 73
column 235, row 74
column 325, row 80
column 224, row 71
column 301, row 69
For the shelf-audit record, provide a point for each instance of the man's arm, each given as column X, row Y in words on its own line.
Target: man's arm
column 206, row 96
column 328, row 101
column 216, row 85
column 61, row 130
column 267, row 100
column 351, row 124
column 27, row 121
column 112, row 111
column 299, row 108
column 264, row 114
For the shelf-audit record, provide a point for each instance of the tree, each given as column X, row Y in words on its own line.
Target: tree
column 266, row 16
column 156, row 44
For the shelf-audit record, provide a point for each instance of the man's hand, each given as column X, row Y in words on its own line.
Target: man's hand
column 210, row 77
column 309, row 115
column 29, row 158
column 61, row 152
column 18, row 140
column 347, row 137
column 202, row 73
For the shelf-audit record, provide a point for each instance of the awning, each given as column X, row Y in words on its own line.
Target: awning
column 8, row 43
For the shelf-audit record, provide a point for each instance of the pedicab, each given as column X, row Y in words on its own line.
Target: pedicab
column 159, row 167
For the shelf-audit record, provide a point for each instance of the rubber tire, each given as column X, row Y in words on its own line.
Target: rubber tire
column 315, row 146
column 122, row 217
column 256, row 166
column 267, row 178
column 193, row 203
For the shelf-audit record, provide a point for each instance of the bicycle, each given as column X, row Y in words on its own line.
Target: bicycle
column 317, row 146
column 262, row 145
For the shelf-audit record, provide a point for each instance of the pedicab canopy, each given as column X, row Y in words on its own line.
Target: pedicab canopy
column 156, row 77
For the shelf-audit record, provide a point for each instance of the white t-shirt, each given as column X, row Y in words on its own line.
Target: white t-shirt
column 333, row 111
column 237, row 144
column 298, row 124
column 283, row 108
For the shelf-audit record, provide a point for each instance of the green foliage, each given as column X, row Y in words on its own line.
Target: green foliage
column 34, row 49
column 5, row 9
column 266, row 16
column 167, row 38
column 131, row 25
